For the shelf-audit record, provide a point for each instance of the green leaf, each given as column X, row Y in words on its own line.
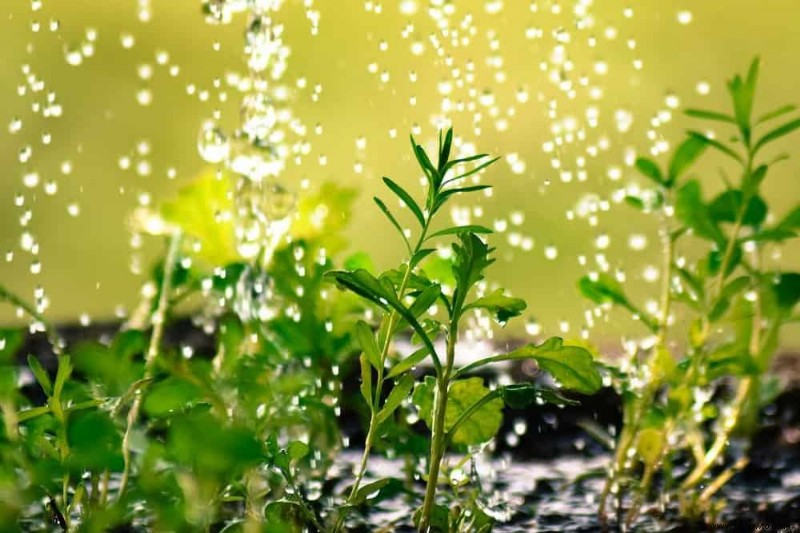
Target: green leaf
column 604, row 289
column 752, row 180
column 471, row 259
column 571, row 366
column 444, row 149
column 41, row 375
column 367, row 341
column 62, row 375
column 196, row 210
column 443, row 196
column 366, row 380
column 94, row 442
column 650, row 169
column 406, row 199
column 521, row 395
column 783, row 110
column 409, row 362
column 501, row 306
column 471, row 228
column 791, row 221
column 743, row 93
column 686, row 154
column 692, row 211
column 399, row 393
column 650, row 444
column 368, row 287
column 451, row 164
column 710, row 115
column 727, row 207
column 480, row 427
column 393, row 220
column 787, row 290
column 169, row 396
column 474, row 170
column 296, row 450
column 212, row 448
column 776, row 134
column 425, row 300
column 713, row 143
column 635, row 202
column 369, row 491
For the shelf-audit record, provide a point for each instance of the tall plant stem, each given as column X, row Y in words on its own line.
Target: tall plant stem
column 375, row 407
column 158, row 318
column 438, row 432
column 631, row 428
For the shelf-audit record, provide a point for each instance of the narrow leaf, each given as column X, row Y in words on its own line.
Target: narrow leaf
column 407, row 200
column 399, row 393
column 393, row 220
column 777, row 133
column 710, row 115
column 41, row 375
column 717, row 145
column 366, row 339
column 471, row 228
column 366, row 380
column 409, row 362
column 776, row 113
column 650, row 169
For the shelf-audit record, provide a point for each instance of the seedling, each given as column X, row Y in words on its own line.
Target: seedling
column 735, row 306
column 458, row 410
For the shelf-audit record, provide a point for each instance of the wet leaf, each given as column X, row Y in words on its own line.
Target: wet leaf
column 501, row 307
column 409, row 362
column 169, row 396
column 521, row 395
column 480, row 427
column 399, row 392
column 471, row 259
column 776, row 134
column 366, row 339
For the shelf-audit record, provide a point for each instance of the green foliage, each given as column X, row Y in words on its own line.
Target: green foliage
column 457, row 411
column 735, row 309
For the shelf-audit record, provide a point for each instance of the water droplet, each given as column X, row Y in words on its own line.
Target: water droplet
column 212, row 143
column 551, row 252
column 73, row 56
column 684, row 17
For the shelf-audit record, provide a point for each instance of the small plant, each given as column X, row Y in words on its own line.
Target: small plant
column 735, row 309
column 460, row 411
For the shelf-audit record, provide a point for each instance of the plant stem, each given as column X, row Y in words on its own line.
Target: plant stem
column 158, row 318
column 630, row 429
column 438, row 432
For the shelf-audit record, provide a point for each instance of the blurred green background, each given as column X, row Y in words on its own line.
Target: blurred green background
column 644, row 61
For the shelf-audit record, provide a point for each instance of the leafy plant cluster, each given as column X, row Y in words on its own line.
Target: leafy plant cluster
column 734, row 307
column 140, row 432
column 460, row 411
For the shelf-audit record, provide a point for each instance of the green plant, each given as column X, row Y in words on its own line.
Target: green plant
column 111, row 437
column 735, row 308
column 459, row 411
